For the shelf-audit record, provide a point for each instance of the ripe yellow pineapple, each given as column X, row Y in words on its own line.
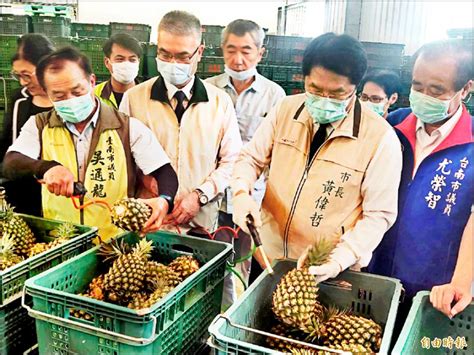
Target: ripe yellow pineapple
column 295, row 300
column 126, row 276
column 160, row 289
column 130, row 214
column 287, row 332
column 185, row 265
column 343, row 330
column 7, row 257
column 157, row 270
column 15, row 227
column 38, row 248
column 62, row 234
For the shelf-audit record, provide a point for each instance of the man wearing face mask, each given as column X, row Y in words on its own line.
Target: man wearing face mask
column 437, row 186
column 334, row 165
column 253, row 96
column 380, row 89
column 122, row 59
column 194, row 121
column 84, row 140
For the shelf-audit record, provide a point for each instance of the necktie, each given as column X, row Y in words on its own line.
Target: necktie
column 318, row 140
column 179, row 110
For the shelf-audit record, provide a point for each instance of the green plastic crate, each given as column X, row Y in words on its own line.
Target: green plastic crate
column 175, row 325
column 8, row 46
column 88, row 30
column 425, row 326
column 369, row 295
column 52, row 26
column 14, row 24
column 139, row 31
column 13, row 278
column 17, row 329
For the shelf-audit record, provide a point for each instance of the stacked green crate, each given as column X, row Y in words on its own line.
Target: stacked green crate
column 89, row 30
column 7, row 86
column 139, row 31
column 282, row 61
column 52, row 26
column 14, row 24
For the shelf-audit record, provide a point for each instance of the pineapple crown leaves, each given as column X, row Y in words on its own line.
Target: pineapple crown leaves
column 6, row 244
column 159, row 283
column 66, row 230
column 114, row 250
column 7, row 212
column 321, row 250
column 143, row 248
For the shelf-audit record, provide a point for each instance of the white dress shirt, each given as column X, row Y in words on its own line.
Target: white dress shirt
column 146, row 151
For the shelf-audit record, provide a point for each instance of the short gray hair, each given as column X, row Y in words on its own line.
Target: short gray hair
column 180, row 23
column 460, row 50
column 241, row 27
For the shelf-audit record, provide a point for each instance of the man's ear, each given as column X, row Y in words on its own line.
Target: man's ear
column 393, row 98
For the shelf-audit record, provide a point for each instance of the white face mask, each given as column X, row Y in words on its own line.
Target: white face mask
column 241, row 75
column 175, row 73
column 125, row 72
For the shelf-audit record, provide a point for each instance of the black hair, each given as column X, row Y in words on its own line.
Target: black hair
column 56, row 60
column 460, row 50
column 341, row 54
column 32, row 47
column 123, row 40
column 388, row 80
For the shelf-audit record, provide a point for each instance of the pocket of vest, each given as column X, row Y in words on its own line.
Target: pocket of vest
column 345, row 161
column 293, row 143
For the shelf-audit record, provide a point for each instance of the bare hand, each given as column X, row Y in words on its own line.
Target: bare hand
column 159, row 208
column 59, row 181
column 185, row 209
column 443, row 296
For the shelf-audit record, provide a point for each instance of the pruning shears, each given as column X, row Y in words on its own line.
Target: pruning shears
column 258, row 242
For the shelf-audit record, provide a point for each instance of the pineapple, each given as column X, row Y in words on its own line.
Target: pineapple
column 127, row 274
column 96, row 288
column 295, row 300
column 130, row 214
column 62, row 234
column 184, row 265
column 283, row 345
column 15, row 227
column 343, row 330
column 156, row 270
column 7, row 257
column 161, row 289
column 38, row 248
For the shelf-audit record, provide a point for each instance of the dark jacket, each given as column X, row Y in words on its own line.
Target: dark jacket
column 25, row 193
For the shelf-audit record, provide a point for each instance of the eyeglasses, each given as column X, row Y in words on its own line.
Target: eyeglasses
column 179, row 58
column 23, row 76
column 374, row 98
column 342, row 96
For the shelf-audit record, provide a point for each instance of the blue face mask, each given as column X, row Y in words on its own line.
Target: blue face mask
column 174, row 73
column 429, row 109
column 241, row 75
column 324, row 110
column 75, row 110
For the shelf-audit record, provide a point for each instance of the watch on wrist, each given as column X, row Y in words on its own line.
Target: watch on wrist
column 202, row 197
column 170, row 201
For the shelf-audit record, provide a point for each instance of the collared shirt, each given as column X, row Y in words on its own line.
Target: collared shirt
column 146, row 151
column 149, row 103
column 426, row 143
column 187, row 90
column 251, row 107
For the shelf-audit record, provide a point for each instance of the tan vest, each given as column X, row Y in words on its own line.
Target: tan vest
column 110, row 172
column 323, row 198
column 193, row 145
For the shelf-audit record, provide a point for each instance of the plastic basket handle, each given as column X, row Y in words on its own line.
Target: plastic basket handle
column 261, row 332
column 96, row 331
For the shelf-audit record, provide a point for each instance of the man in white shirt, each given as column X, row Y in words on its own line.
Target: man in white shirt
column 430, row 247
column 194, row 122
column 253, row 97
column 86, row 141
